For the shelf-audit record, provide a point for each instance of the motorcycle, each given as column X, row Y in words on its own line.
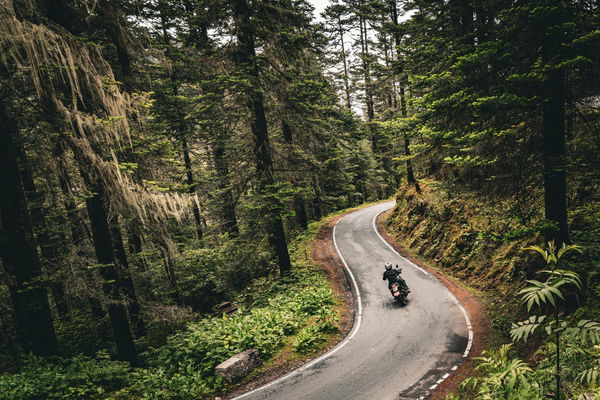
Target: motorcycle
column 400, row 293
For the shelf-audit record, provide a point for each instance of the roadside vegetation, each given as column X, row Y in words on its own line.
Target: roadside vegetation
column 286, row 320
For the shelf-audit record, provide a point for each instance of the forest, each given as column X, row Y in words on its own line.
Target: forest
column 161, row 160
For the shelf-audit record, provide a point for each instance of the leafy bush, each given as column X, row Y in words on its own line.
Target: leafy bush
column 184, row 367
column 308, row 339
column 208, row 275
column 81, row 333
column 158, row 383
column 567, row 362
column 79, row 377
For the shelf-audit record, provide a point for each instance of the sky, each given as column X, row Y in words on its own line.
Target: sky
column 319, row 6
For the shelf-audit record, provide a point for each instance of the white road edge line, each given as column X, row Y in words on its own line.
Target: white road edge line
column 450, row 294
column 390, row 246
column 468, row 321
column 347, row 339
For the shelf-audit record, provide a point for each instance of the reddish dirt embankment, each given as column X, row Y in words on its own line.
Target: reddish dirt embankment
column 475, row 309
column 325, row 255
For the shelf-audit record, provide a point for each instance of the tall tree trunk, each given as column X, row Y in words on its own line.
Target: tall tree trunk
column 191, row 186
column 63, row 13
column 105, row 253
column 8, row 324
column 388, row 57
column 345, row 63
column 299, row 206
column 171, row 278
column 139, row 261
column 115, row 25
column 196, row 23
column 366, row 64
column 226, row 203
column 264, row 164
column 48, row 244
column 19, row 253
column 317, row 203
column 555, row 185
column 410, row 176
column 126, row 280
column 77, row 225
column 365, row 56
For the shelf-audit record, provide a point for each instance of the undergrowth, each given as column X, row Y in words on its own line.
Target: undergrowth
column 296, row 312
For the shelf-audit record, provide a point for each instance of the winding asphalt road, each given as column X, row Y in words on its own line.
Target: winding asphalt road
column 392, row 352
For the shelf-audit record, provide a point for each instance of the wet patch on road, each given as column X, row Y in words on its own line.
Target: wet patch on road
column 456, row 343
column 433, row 377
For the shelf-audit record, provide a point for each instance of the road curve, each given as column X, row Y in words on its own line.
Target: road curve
column 392, row 352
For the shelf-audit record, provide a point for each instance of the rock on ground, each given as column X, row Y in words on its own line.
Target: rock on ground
column 238, row 366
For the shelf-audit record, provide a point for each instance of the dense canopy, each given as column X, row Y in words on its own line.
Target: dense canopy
column 158, row 157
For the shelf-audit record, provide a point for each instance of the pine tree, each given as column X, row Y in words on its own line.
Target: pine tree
column 246, row 60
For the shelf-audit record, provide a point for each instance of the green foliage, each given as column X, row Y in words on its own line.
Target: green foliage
column 505, row 374
column 524, row 329
column 184, row 367
column 551, row 254
column 540, row 293
column 77, row 378
column 308, row 339
column 215, row 273
column 80, row 333
column 570, row 345
column 158, row 383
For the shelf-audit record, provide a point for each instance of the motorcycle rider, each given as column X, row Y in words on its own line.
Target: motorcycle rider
column 393, row 275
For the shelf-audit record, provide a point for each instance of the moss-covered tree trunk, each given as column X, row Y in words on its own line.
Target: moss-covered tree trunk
column 126, row 280
column 49, row 242
column 105, row 254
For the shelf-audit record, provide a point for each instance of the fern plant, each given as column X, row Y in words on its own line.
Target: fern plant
column 547, row 293
column 506, row 377
column 568, row 362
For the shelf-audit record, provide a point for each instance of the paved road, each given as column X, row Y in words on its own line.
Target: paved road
column 392, row 352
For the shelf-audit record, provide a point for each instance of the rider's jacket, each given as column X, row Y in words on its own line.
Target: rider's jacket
column 391, row 275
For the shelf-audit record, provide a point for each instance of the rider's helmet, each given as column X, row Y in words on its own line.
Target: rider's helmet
column 388, row 265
